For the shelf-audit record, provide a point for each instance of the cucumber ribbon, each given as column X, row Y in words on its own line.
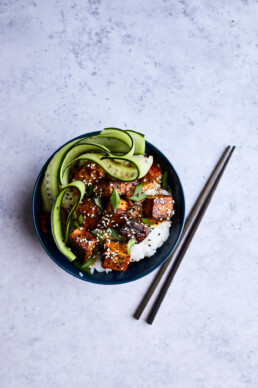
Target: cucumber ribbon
column 56, row 219
column 120, row 153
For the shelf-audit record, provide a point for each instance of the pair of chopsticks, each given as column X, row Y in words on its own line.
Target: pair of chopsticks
column 191, row 225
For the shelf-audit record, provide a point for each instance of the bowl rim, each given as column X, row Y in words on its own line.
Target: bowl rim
column 87, row 279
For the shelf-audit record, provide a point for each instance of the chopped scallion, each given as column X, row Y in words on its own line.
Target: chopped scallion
column 80, row 219
column 115, row 199
column 137, row 189
column 85, row 266
column 98, row 203
column 97, row 233
column 114, row 233
column 147, row 221
column 88, row 263
column 164, row 179
column 130, row 244
column 89, row 192
column 139, row 197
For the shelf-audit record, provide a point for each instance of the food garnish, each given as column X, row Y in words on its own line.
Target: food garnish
column 164, row 179
column 115, row 199
column 138, row 197
column 98, row 203
column 147, row 221
column 130, row 244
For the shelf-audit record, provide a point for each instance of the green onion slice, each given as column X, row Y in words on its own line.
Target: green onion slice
column 85, row 266
column 130, row 244
column 80, row 219
column 74, row 216
column 139, row 197
column 115, row 199
column 98, row 202
column 137, row 189
column 98, row 233
column 114, row 233
column 147, row 221
column 89, row 192
column 164, row 179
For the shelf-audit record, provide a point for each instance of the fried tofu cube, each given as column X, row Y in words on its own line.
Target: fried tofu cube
column 132, row 228
column 110, row 218
column 152, row 178
column 105, row 188
column 115, row 256
column 159, row 207
column 90, row 173
column 135, row 209
column 153, row 173
column 82, row 243
column 90, row 213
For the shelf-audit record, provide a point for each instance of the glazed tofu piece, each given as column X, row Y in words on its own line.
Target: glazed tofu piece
column 114, row 255
column 159, row 207
column 135, row 209
column 90, row 213
column 152, row 177
column 132, row 228
column 105, row 188
column 82, row 243
column 90, row 173
column 112, row 219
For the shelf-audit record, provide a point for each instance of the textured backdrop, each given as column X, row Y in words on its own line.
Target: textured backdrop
column 185, row 73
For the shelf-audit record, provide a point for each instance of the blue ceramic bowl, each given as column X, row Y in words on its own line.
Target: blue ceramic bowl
column 135, row 270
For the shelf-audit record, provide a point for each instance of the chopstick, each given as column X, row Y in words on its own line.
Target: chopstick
column 188, row 223
column 186, row 244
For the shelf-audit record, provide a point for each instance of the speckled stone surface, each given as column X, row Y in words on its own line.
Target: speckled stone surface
column 186, row 74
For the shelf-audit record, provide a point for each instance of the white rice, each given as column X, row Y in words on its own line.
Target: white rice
column 152, row 242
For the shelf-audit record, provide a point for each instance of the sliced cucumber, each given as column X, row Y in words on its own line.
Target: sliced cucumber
column 118, row 170
column 118, row 146
column 141, row 162
column 119, row 134
column 73, row 154
column 139, row 142
column 50, row 184
column 56, row 219
column 113, row 145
